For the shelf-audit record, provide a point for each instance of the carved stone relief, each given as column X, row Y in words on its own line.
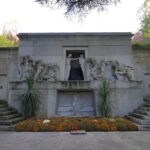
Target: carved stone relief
column 39, row 71
column 109, row 70
column 96, row 71
column 78, row 72
column 36, row 69
column 75, row 104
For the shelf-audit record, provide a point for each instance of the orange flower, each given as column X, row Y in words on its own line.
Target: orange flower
column 35, row 129
column 113, row 128
column 81, row 123
column 104, row 127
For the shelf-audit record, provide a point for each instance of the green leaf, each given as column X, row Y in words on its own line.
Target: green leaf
column 105, row 104
column 30, row 99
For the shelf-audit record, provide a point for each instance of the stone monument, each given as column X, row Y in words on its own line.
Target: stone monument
column 69, row 67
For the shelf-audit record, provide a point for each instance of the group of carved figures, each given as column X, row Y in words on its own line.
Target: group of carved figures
column 36, row 69
column 82, row 64
column 93, row 70
column 112, row 70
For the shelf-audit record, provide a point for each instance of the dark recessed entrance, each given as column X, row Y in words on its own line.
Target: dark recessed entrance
column 76, row 72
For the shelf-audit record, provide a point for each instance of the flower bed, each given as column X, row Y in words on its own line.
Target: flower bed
column 59, row 124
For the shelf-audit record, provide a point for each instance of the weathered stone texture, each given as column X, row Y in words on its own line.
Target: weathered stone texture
column 142, row 68
column 8, row 66
column 52, row 48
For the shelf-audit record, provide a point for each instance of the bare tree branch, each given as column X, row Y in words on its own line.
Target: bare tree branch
column 79, row 6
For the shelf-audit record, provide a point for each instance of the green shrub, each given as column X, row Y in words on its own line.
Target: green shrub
column 30, row 99
column 141, row 46
column 105, row 103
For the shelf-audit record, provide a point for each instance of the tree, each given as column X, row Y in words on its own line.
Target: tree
column 4, row 42
column 10, row 29
column 145, row 19
column 79, row 7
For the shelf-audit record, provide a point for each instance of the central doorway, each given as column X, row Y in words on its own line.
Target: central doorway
column 75, row 64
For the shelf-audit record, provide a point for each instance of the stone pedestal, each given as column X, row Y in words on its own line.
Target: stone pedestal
column 65, row 98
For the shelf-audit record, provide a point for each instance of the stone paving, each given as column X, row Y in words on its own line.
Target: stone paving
column 65, row 141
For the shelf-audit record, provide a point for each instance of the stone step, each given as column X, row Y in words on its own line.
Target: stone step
column 11, row 116
column 6, row 109
column 11, row 121
column 8, row 117
column 140, row 116
column 3, row 102
column 142, row 112
column 144, row 128
column 3, row 105
column 7, row 127
column 146, row 102
column 8, row 112
column 146, row 105
column 147, row 121
column 144, row 108
column 147, row 99
column 134, row 119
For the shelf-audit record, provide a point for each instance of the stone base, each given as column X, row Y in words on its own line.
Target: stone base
column 125, row 97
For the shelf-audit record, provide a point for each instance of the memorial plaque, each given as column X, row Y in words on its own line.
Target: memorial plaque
column 75, row 104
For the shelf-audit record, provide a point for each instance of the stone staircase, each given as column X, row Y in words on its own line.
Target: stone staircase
column 9, row 117
column 141, row 115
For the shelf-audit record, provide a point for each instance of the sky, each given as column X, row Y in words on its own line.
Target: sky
column 29, row 16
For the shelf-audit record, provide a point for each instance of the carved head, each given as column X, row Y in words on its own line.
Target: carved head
column 39, row 62
column 82, row 56
column 69, row 55
column 30, row 61
column 27, row 58
column 102, row 62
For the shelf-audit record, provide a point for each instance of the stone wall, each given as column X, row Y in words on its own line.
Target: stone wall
column 51, row 48
column 142, row 65
column 142, row 59
column 125, row 96
column 8, row 65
